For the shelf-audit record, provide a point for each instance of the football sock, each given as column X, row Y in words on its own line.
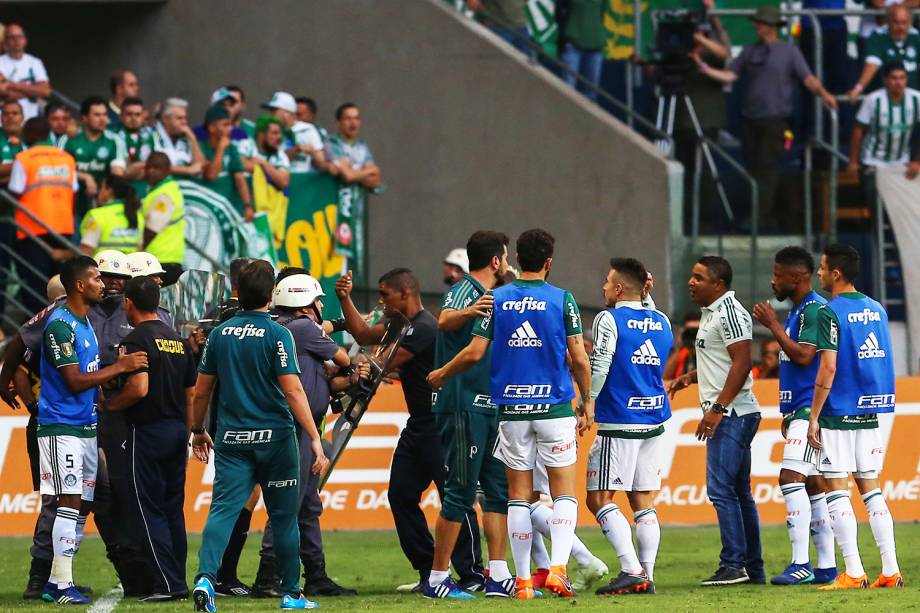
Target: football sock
column 843, row 522
column 538, row 552
column 648, row 536
column 64, row 540
column 540, row 516
column 562, row 530
column 81, row 526
column 882, row 529
column 619, row 535
column 520, row 532
column 498, row 570
column 798, row 520
column 437, row 576
column 821, row 532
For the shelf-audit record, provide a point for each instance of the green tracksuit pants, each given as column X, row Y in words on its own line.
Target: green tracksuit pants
column 276, row 467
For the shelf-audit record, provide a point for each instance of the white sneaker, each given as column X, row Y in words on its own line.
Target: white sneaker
column 586, row 575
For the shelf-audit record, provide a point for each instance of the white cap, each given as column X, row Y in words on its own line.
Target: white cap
column 458, row 257
column 297, row 292
column 113, row 262
column 142, row 264
column 283, row 101
column 220, row 94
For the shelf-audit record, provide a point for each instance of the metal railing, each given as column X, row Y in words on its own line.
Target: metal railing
column 833, row 149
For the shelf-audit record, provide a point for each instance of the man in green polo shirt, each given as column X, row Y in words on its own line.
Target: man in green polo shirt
column 138, row 139
column 468, row 420
column 97, row 152
column 254, row 361
column 223, row 172
column 895, row 43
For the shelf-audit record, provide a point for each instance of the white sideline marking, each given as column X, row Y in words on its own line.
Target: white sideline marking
column 107, row 603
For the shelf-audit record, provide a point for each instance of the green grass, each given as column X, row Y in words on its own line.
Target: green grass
column 372, row 563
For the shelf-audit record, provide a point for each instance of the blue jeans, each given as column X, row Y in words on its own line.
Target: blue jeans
column 517, row 38
column 728, row 480
column 586, row 63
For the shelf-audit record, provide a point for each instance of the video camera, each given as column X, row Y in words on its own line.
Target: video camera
column 674, row 31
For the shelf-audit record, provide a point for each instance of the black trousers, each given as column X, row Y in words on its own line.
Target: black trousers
column 157, row 454
column 763, row 142
column 417, row 462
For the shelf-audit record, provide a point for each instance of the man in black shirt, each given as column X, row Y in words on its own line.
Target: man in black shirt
column 155, row 400
column 418, row 460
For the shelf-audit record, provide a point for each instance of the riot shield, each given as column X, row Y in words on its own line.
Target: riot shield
column 359, row 397
column 196, row 293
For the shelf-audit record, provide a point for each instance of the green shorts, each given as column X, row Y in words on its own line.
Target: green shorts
column 468, row 439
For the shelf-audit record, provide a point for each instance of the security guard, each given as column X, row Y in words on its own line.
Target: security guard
column 298, row 302
column 252, row 359
column 117, row 224
column 164, row 216
column 154, row 401
column 144, row 264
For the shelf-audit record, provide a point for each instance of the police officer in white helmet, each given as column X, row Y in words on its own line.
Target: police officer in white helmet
column 299, row 306
column 143, row 264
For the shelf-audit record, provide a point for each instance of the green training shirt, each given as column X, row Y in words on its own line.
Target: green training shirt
column 96, row 158
column 247, row 354
column 224, row 184
column 468, row 391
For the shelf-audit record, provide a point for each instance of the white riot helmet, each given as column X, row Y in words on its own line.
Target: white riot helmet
column 297, row 292
column 458, row 257
column 143, row 264
column 113, row 262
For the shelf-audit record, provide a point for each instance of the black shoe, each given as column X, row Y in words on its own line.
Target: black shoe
column 84, row 589
column 472, row 584
column 627, row 584
column 726, row 575
column 38, row 576
column 164, row 597
column 234, row 587
column 324, row 586
column 267, row 584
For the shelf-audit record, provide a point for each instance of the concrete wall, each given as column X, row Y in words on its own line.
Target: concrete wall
column 467, row 133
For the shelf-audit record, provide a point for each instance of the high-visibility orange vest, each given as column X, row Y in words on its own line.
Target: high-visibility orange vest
column 49, row 192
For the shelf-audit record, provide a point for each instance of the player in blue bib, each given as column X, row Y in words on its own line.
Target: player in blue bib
column 802, row 485
column 532, row 326
column 631, row 344
column 71, row 376
column 855, row 383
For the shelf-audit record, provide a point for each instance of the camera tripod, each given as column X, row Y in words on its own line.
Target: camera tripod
column 667, row 110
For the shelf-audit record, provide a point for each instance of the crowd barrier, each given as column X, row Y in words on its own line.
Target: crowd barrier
column 355, row 497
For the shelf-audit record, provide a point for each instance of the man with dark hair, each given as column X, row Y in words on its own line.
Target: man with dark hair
column 223, row 170
column 24, row 75
column 164, row 215
column 306, row 112
column 855, row 382
column 468, row 422
column 627, row 374
column 155, row 401
column 71, row 375
column 246, row 125
column 799, row 479
column 253, row 360
column 534, row 326
column 730, row 420
column 11, row 120
column 97, row 152
column 418, row 459
column 138, row 140
column 60, row 120
column 348, row 157
column 304, row 143
column 123, row 84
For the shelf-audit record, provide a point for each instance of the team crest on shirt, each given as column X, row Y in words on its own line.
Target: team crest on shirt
column 70, row 480
column 102, row 152
column 67, row 349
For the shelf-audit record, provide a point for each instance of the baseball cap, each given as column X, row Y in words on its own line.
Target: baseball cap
column 215, row 113
column 220, row 94
column 458, row 257
column 283, row 101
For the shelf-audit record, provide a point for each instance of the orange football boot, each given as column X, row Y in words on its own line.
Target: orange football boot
column 558, row 583
column 895, row 580
column 523, row 589
column 846, row 582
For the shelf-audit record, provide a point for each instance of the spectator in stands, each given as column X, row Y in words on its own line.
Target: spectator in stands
column 237, row 116
column 269, row 154
column 456, row 264
column 164, row 215
column 306, row 112
column 304, row 146
column 683, row 357
column 772, row 69
column 883, row 131
column 233, row 102
column 350, row 158
column 138, row 140
column 872, row 24
column 835, row 63
column 897, row 43
column 582, row 41
column 223, row 169
column 175, row 138
column 507, row 18
column 97, row 151
column 769, row 360
column 26, row 79
column 45, row 178
column 62, row 123
column 10, row 136
column 123, row 84
column 116, row 223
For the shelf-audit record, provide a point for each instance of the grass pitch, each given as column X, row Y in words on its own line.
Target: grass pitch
column 372, row 563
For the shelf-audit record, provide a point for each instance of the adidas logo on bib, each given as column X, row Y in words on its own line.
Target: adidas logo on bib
column 870, row 348
column 525, row 336
column 646, row 354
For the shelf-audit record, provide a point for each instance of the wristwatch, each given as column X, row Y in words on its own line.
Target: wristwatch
column 715, row 407
column 198, row 431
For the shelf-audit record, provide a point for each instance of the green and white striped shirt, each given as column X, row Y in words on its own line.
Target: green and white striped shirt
column 888, row 127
